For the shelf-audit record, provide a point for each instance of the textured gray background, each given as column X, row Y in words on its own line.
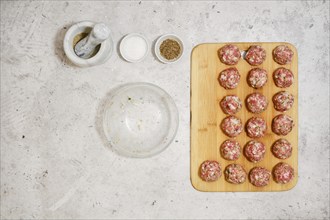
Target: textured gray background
column 54, row 164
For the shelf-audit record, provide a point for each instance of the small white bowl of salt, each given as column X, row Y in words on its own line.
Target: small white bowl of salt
column 134, row 47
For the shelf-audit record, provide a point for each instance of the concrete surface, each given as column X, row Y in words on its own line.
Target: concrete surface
column 54, row 163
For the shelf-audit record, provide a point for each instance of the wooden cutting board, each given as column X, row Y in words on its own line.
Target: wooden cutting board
column 206, row 116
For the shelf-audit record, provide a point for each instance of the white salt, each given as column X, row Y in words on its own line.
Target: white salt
column 134, row 48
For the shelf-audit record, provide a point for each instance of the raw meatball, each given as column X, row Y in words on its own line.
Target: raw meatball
column 283, row 173
column 232, row 126
column 231, row 104
column 282, row 149
column 257, row 78
column 210, row 171
column 235, row 173
column 256, row 55
column 283, row 101
column 282, row 54
column 229, row 78
column 230, row 150
column 259, row 176
column 256, row 103
column 256, row 127
column 255, row 151
column 229, row 54
column 283, row 78
column 282, row 124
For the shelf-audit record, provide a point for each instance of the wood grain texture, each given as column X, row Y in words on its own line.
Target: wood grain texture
column 206, row 116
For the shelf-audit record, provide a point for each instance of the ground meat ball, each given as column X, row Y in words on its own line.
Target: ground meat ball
column 231, row 104
column 254, row 151
column 259, row 176
column 283, row 173
column 229, row 54
column 256, row 103
column 283, row 101
column 255, row 55
column 229, row 78
column 235, row 173
column 282, row 54
column 283, row 78
column 282, row 124
column 230, row 150
column 257, row 78
column 232, row 126
column 210, row 171
column 282, row 149
column 256, row 127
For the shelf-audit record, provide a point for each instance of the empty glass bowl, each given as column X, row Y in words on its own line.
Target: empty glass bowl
column 140, row 120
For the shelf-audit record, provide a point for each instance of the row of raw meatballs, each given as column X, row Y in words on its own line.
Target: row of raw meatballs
column 255, row 55
column 257, row 103
column 255, row 150
column 256, row 127
column 211, row 171
column 256, row 78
